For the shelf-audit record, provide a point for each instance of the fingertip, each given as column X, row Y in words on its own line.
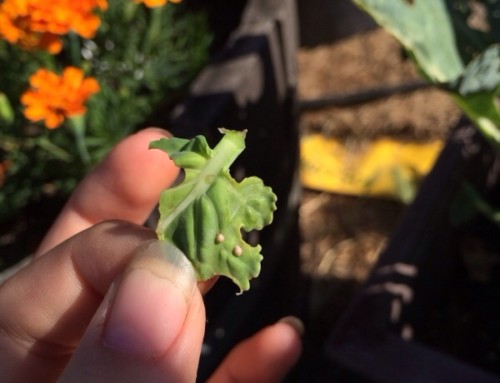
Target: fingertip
column 136, row 147
column 144, row 136
column 128, row 182
column 286, row 338
column 268, row 356
column 295, row 323
column 136, row 162
column 151, row 302
column 155, row 130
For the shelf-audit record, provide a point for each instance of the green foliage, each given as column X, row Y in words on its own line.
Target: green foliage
column 477, row 91
column 152, row 53
column 143, row 60
column 468, row 203
column 451, row 52
column 455, row 43
column 204, row 215
column 424, row 29
column 6, row 112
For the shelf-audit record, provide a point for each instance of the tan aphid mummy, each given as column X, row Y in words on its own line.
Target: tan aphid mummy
column 219, row 238
column 237, row 251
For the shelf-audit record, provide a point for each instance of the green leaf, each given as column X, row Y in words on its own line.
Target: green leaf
column 425, row 29
column 482, row 74
column 205, row 214
column 476, row 92
column 6, row 112
column 468, row 203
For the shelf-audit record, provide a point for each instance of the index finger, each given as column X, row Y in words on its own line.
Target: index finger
column 125, row 186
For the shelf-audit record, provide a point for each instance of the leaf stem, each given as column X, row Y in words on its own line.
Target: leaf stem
column 153, row 31
column 75, row 49
column 77, row 124
column 56, row 151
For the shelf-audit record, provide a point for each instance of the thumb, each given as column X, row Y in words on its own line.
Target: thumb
column 149, row 326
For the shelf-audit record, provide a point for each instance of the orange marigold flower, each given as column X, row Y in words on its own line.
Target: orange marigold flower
column 40, row 23
column 156, row 3
column 53, row 98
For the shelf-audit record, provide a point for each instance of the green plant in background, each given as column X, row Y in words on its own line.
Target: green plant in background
column 450, row 52
column 140, row 58
column 455, row 44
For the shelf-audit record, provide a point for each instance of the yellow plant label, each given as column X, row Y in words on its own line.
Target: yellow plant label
column 383, row 167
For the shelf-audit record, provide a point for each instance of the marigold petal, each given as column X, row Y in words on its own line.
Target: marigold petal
column 43, row 78
column 152, row 3
column 54, row 97
column 28, row 97
column 53, row 120
column 36, row 112
column 87, row 26
column 90, row 86
column 26, row 22
column 72, row 77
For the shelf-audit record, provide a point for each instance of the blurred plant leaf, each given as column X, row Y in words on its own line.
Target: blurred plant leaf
column 477, row 93
column 430, row 30
column 482, row 74
column 6, row 112
column 424, row 28
column 142, row 58
column 468, row 203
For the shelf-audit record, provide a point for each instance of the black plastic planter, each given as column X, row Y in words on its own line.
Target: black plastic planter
column 424, row 315
column 251, row 84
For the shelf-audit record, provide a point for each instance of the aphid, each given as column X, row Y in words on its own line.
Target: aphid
column 219, row 238
column 237, row 251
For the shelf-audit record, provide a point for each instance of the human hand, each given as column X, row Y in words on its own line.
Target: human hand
column 105, row 303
